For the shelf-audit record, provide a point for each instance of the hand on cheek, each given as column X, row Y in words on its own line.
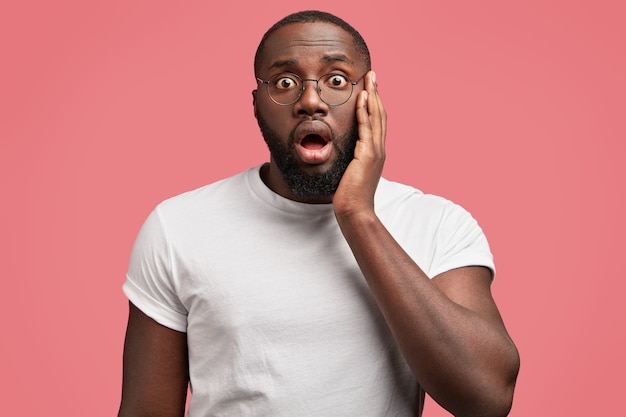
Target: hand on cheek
column 358, row 185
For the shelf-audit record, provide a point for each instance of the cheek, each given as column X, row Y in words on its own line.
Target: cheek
column 275, row 117
column 345, row 119
column 269, row 111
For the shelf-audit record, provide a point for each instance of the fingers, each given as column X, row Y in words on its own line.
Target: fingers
column 377, row 111
column 371, row 115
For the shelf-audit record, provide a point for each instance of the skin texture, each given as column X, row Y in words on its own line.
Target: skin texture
column 155, row 369
column 448, row 329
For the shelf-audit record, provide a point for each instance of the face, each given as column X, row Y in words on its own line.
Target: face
column 310, row 142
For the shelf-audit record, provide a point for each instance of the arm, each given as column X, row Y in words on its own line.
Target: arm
column 448, row 329
column 155, row 369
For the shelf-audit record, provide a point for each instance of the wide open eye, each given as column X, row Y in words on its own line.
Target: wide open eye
column 285, row 82
column 336, row 81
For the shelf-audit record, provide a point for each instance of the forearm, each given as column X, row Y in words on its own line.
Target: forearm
column 459, row 356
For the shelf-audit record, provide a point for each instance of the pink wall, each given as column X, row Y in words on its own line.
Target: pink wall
column 515, row 110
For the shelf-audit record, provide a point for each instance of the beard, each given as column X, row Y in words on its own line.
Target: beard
column 300, row 182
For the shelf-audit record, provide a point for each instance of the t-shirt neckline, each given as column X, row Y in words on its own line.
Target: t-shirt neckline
column 266, row 195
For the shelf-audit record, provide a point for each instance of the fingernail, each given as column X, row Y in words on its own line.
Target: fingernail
column 373, row 77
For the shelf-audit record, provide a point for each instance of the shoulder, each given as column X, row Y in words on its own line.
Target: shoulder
column 438, row 232
column 223, row 186
column 203, row 200
column 398, row 198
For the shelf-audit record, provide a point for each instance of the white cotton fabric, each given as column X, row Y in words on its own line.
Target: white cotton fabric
column 279, row 319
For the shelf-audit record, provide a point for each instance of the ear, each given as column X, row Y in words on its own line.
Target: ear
column 254, row 101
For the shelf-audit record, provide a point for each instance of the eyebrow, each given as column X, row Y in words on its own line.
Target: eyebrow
column 336, row 58
column 326, row 59
column 284, row 63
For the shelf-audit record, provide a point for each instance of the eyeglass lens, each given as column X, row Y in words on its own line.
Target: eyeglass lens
column 286, row 88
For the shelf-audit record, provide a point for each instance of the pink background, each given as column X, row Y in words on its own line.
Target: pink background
column 516, row 110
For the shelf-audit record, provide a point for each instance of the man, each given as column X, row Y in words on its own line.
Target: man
column 309, row 286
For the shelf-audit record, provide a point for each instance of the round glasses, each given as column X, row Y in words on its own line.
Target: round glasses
column 286, row 88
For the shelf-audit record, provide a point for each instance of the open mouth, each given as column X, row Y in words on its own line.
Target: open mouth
column 313, row 142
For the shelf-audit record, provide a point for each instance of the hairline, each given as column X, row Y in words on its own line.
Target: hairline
column 314, row 16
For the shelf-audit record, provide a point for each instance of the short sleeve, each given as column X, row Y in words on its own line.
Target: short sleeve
column 150, row 284
column 460, row 242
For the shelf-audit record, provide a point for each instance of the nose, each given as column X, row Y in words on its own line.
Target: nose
column 310, row 102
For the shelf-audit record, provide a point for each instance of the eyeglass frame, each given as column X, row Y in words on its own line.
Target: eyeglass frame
column 317, row 87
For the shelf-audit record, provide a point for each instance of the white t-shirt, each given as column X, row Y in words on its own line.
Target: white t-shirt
column 279, row 319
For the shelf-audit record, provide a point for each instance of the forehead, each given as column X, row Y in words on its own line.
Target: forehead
column 308, row 45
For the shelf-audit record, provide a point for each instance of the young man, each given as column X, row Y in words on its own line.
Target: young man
column 309, row 286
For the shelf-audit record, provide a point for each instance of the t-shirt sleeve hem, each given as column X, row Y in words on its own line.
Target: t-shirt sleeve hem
column 468, row 260
column 153, row 309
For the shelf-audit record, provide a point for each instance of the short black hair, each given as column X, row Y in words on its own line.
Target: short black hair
column 313, row 16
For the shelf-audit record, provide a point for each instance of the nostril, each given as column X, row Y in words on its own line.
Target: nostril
column 310, row 102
